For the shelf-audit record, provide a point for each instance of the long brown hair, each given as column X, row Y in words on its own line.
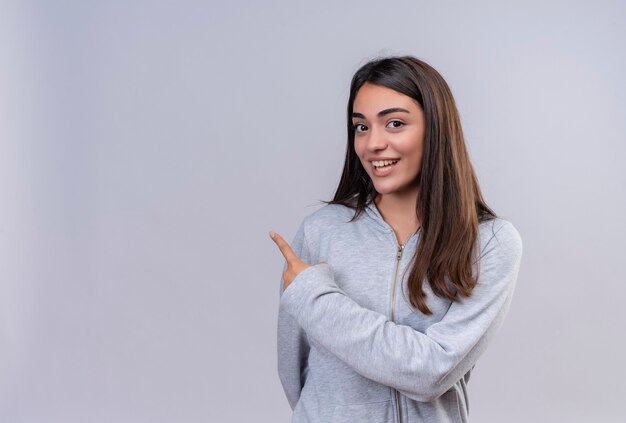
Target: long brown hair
column 450, row 205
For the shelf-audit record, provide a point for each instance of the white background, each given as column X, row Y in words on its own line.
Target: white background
column 146, row 149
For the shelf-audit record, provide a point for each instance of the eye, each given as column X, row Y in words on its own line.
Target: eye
column 397, row 126
column 355, row 127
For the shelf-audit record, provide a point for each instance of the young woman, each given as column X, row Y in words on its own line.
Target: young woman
column 392, row 291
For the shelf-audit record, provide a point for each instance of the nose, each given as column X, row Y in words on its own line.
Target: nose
column 376, row 140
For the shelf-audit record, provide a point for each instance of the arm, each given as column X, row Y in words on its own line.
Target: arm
column 293, row 346
column 420, row 365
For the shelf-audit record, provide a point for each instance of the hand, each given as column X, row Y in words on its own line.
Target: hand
column 294, row 264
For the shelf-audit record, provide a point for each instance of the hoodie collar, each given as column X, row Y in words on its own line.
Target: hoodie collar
column 377, row 219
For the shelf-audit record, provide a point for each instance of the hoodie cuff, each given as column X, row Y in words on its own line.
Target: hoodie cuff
column 310, row 283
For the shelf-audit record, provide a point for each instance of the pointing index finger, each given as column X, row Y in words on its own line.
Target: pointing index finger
column 284, row 247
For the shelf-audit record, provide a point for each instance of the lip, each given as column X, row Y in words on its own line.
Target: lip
column 384, row 172
column 376, row 159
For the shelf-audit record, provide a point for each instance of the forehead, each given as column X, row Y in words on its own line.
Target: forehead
column 373, row 98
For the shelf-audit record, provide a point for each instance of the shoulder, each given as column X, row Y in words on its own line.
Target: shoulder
column 325, row 224
column 329, row 216
column 501, row 235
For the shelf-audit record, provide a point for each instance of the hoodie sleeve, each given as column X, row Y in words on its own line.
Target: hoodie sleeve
column 422, row 366
column 293, row 346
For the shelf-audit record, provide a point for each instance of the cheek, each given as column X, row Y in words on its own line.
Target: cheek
column 411, row 146
column 358, row 149
column 412, row 155
column 357, row 146
column 416, row 159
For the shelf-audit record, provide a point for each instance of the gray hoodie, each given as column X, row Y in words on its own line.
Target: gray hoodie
column 351, row 348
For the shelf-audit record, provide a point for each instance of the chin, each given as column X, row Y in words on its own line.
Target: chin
column 385, row 190
column 393, row 187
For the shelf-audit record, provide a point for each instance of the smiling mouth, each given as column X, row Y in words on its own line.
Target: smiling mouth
column 385, row 165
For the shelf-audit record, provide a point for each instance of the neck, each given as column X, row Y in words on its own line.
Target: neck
column 399, row 209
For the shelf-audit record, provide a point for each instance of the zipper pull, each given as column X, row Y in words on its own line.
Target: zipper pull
column 399, row 254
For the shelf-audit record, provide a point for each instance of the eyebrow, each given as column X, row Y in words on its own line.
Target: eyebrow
column 382, row 112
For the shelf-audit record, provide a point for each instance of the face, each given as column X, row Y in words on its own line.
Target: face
column 388, row 125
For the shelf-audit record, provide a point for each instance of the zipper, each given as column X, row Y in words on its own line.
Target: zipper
column 393, row 301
